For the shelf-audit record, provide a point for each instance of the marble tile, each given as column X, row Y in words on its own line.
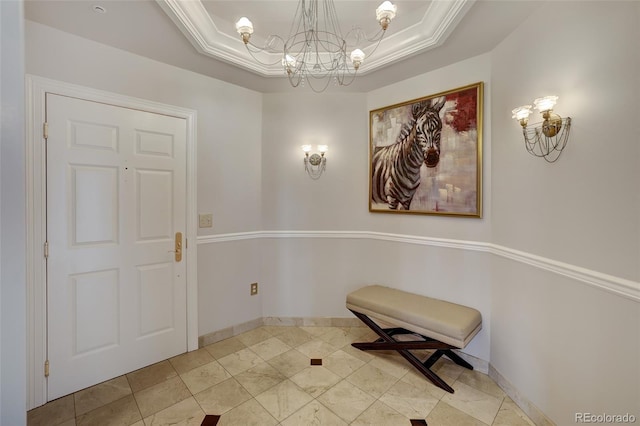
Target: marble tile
column 269, row 348
column 161, row 396
column 240, row 361
column 254, row 336
column 290, row 363
column 314, row 414
column 444, row 414
column 247, row 326
column 448, row 368
column 346, row 400
column 277, row 329
column 249, row 413
column 379, row 414
column 372, row 380
column 340, row 337
column 481, row 382
column 138, row 423
column 346, row 322
column 511, row 415
column 225, row 347
column 530, row 409
column 184, row 413
column 315, row 380
column 72, row 422
column 101, row 394
column 295, row 337
column 222, row 397
column 316, row 349
column 260, row 378
column 53, row 413
column 409, row 400
column 342, row 364
column 279, row 321
column 317, row 321
column 204, row 377
column 190, row 360
column 283, row 399
column 416, row 378
column 216, row 336
column 121, row 412
column 151, row 375
column 357, row 353
column 393, row 364
column 316, row 330
column 480, row 405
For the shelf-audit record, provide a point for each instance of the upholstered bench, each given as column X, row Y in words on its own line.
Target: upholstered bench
column 434, row 324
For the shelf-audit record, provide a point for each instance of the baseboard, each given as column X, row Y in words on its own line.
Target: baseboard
column 228, row 332
column 534, row 413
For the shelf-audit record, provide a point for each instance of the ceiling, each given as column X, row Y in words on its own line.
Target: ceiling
column 199, row 35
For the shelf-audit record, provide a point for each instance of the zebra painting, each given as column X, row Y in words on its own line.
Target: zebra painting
column 396, row 168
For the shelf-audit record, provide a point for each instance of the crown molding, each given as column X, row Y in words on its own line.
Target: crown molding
column 192, row 18
column 616, row 285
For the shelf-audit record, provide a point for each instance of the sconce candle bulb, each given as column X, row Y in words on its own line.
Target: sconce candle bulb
column 545, row 103
column 546, row 139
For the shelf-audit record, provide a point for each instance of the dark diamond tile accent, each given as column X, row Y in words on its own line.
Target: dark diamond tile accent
column 418, row 422
column 316, row 361
column 210, row 420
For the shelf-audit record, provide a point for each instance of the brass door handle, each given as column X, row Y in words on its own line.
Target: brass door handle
column 178, row 247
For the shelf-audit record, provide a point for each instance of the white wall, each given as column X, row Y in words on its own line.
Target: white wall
column 310, row 277
column 228, row 138
column 563, row 344
column 13, row 306
column 566, row 346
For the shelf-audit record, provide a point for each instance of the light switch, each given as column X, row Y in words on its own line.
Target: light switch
column 205, row 220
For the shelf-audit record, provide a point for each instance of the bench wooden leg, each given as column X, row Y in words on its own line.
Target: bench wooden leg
column 387, row 342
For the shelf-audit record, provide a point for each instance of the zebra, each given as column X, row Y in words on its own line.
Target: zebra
column 396, row 168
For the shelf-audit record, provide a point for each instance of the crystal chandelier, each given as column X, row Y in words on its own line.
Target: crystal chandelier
column 316, row 53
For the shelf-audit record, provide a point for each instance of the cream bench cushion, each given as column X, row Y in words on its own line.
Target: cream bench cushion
column 446, row 322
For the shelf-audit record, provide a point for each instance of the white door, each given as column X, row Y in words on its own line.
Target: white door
column 116, row 292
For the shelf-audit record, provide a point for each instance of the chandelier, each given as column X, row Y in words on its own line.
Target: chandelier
column 315, row 52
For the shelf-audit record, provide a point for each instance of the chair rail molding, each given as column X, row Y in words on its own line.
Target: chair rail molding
column 612, row 284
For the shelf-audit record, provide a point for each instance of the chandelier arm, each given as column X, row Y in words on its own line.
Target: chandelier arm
column 298, row 19
column 331, row 17
column 316, row 89
column 316, row 49
column 377, row 44
column 252, row 53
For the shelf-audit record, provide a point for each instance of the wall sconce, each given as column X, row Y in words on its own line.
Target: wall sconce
column 315, row 163
column 546, row 139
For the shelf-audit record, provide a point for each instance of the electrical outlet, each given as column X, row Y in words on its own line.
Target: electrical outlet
column 254, row 289
column 205, row 220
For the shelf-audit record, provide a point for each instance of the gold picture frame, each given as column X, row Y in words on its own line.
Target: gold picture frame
column 425, row 155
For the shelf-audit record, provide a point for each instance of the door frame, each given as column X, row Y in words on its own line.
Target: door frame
column 36, row 89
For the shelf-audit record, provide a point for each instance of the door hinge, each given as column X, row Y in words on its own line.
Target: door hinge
column 46, row 368
column 186, row 243
column 45, row 130
column 46, row 249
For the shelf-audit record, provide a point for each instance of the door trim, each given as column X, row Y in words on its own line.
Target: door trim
column 36, row 88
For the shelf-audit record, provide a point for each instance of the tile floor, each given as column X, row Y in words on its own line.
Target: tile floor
column 264, row 377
